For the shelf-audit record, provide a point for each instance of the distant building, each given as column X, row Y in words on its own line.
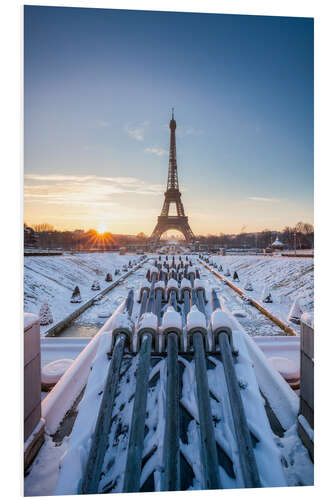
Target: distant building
column 277, row 244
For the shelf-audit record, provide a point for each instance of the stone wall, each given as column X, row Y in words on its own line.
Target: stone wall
column 305, row 429
column 32, row 389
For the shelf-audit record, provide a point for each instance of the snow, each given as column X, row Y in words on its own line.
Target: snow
column 185, row 284
column 286, row 367
column 199, row 284
column 195, row 319
column 54, row 279
column 298, row 467
column 42, row 475
column 171, row 319
column 252, row 367
column 172, row 284
column 287, row 277
column 295, row 311
column 219, row 320
column 266, row 295
column 149, row 321
column 160, row 284
column 29, row 320
column 53, row 371
column 75, row 459
column 190, row 270
column 308, row 319
column 45, row 314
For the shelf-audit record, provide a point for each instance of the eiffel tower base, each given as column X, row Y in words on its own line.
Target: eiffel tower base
column 179, row 223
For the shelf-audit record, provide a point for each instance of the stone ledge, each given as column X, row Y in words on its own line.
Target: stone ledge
column 33, row 443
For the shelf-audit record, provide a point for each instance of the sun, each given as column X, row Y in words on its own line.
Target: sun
column 102, row 228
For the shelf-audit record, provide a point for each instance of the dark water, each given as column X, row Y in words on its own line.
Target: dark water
column 80, row 330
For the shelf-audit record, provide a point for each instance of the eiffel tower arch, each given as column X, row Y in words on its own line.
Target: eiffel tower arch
column 172, row 195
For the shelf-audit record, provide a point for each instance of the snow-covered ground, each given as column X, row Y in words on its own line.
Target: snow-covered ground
column 282, row 274
column 54, row 279
column 287, row 278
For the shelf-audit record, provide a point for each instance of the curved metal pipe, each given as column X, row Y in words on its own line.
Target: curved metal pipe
column 208, row 444
column 136, row 438
column 171, row 460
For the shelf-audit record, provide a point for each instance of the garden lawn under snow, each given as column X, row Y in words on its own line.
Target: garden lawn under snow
column 54, row 279
column 287, row 279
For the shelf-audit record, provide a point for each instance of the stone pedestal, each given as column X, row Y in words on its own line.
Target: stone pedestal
column 306, row 411
column 33, row 423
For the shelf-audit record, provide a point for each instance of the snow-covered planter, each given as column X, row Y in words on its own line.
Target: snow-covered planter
column 52, row 372
column 199, row 285
column 172, row 323
column 172, row 285
column 196, row 322
column 122, row 323
column 220, row 322
column 148, row 323
column 76, row 296
column 95, row 285
column 45, row 314
column 145, row 285
column 153, row 272
column 160, row 285
column 266, row 296
column 235, row 276
column 248, row 286
column 296, row 312
column 185, row 285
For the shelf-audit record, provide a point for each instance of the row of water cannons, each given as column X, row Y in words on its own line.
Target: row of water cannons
column 266, row 297
column 171, row 333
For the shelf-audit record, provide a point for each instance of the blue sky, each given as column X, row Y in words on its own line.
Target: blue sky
column 99, row 87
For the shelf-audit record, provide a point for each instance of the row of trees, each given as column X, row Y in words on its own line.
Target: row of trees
column 301, row 235
column 48, row 237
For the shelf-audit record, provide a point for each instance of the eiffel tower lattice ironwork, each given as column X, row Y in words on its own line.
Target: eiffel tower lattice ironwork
column 172, row 195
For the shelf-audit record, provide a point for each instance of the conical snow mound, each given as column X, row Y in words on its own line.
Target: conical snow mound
column 227, row 272
column 95, row 285
column 295, row 312
column 45, row 314
column 266, row 296
column 248, row 286
column 76, row 297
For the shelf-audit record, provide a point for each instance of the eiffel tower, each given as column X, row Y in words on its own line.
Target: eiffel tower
column 172, row 195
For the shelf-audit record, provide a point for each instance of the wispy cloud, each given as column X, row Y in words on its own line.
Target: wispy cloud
column 262, row 198
column 156, row 151
column 84, row 190
column 136, row 131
